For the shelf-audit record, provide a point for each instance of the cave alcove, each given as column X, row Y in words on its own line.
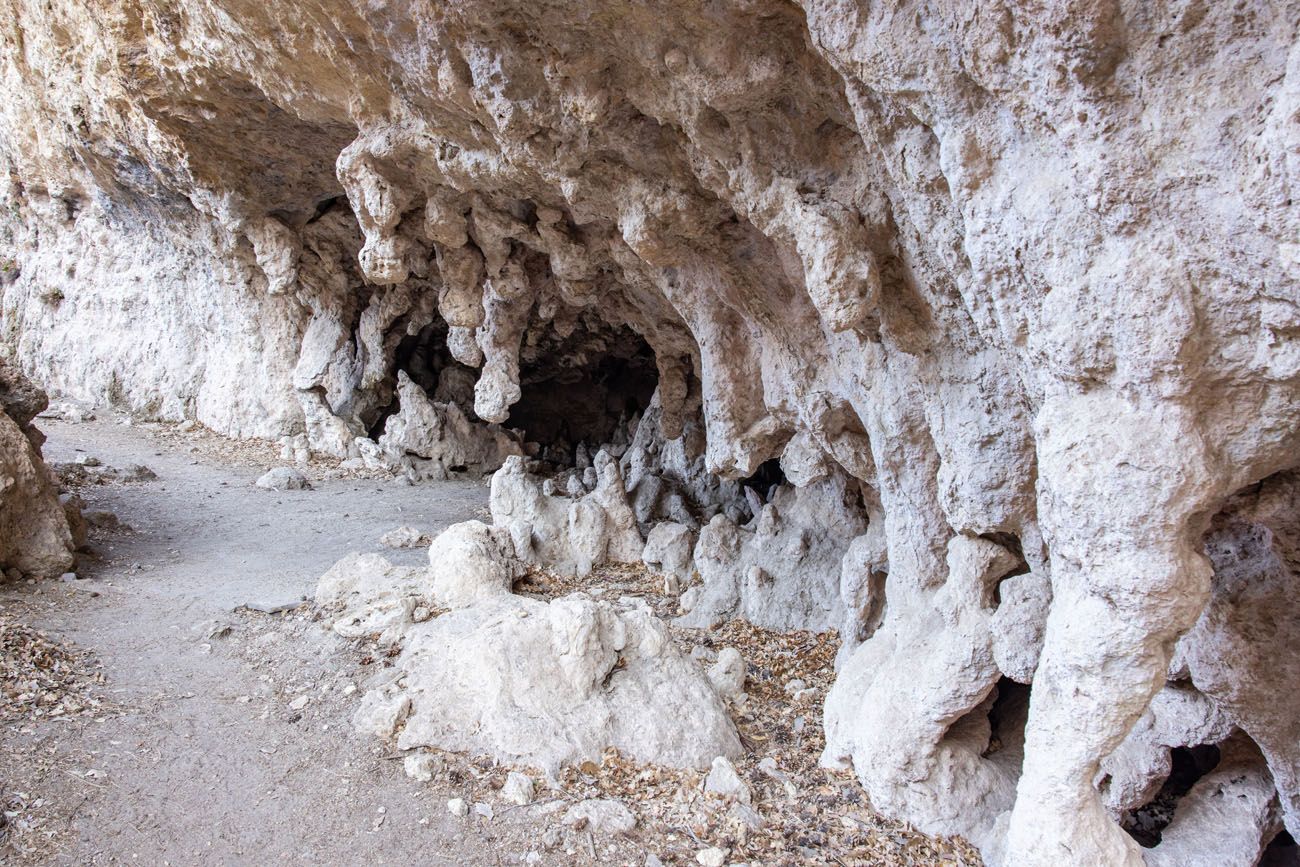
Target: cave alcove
column 576, row 388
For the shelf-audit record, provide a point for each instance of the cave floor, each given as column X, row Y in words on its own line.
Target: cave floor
column 195, row 731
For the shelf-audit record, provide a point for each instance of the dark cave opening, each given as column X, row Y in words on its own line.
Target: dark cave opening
column 766, row 479
column 1189, row 764
column 1281, row 851
column 582, row 389
column 424, row 357
column 1007, row 718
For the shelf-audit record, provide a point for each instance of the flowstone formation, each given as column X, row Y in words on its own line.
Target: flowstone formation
column 969, row 329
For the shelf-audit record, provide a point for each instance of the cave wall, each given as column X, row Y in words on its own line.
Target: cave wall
column 1027, row 272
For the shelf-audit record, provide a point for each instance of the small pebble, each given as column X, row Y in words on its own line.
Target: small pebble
column 518, row 789
column 422, row 767
column 711, row 857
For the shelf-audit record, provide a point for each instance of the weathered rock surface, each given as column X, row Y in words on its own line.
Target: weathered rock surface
column 405, row 536
column 39, row 533
column 517, row 789
column 471, row 561
column 531, row 682
column 572, row 532
column 283, row 479
column 365, row 593
column 668, row 549
column 1021, row 281
column 551, row 684
column 601, row 814
column 782, row 570
column 430, row 440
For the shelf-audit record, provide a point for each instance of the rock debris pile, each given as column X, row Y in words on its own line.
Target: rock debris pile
column 971, row 331
column 772, row 803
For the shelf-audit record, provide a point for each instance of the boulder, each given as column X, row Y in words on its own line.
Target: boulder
column 727, row 674
column 668, row 549
column 283, row 479
column 552, row 684
column 404, row 537
column 470, row 561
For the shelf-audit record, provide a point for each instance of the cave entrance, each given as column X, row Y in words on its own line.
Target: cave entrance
column 765, row 480
column 579, row 388
column 1187, row 765
column 582, row 389
column 424, row 357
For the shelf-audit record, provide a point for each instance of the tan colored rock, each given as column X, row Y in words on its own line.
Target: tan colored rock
column 38, row 532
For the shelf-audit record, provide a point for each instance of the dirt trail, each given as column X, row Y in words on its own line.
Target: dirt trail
column 204, row 762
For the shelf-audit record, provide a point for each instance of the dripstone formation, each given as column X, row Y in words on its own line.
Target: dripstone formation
column 969, row 329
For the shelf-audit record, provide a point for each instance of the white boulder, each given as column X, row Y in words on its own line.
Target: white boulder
column 284, row 479
column 518, row 789
column 470, row 561
column 365, row 594
column 601, row 814
column 549, row 684
column 404, row 537
column 727, row 674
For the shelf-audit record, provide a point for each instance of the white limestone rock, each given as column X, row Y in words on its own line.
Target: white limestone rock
column 381, row 712
column 405, row 536
column 924, row 683
column 603, row 815
column 1241, row 651
column 924, row 274
column 782, row 570
column 727, row 673
column 518, row 789
column 471, row 561
column 432, row 440
column 549, row 684
column 38, row 533
column 1019, row 623
column 1228, row 818
column 712, row 856
column 367, row 594
column 726, row 783
column 421, row 766
column 570, row 535
column 668, row 549
column 1177, row 717
column 283, row 479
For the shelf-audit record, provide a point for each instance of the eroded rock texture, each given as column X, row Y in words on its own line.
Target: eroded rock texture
column 1016, row 282
column 36, row 538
